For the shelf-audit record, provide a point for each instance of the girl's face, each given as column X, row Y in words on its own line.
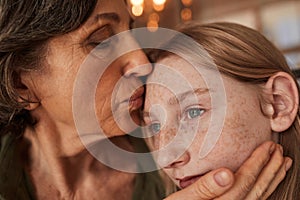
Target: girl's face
column 188, row 116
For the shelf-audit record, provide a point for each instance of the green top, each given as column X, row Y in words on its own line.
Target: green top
column 15, row 184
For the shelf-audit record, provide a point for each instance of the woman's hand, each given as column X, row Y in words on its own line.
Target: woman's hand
column 257, row 178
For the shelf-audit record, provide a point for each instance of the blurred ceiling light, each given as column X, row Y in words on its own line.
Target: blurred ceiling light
column 136, row 2
column 159, row 2
column 187, row 2
column 152, row 25
column 186, row 14
column 159, row 8
column 154, row 17
column 137, row 10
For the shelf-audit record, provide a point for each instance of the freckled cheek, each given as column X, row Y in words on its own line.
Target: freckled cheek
column 198, row 129
column 188, row 133
column 234, row 146
column 195, row 134
column 224, row 154
column 165, row 137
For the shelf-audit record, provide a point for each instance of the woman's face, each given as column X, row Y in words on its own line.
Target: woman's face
column 190, row 111
column 53, row 85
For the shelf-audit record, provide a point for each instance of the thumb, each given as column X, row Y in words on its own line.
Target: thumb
column 209, row 186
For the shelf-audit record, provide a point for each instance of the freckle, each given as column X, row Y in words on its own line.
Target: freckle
column 167, row 137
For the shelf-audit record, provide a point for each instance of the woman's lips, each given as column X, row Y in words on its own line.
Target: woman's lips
column 137, row 99
column 185, row 182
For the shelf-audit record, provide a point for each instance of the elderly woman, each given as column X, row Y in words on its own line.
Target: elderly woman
column 42, row 46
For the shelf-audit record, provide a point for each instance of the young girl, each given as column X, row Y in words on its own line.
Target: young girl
column 211, row 104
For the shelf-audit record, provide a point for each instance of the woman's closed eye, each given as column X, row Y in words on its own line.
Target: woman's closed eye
column 103, row 44
column 101, row 38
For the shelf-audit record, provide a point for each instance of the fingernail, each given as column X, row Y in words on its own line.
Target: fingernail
column 272, row 148
column 222, row 178
column 288, row 164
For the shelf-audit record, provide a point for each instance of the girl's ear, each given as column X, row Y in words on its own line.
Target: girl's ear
column 282, row 97
column 24, row 87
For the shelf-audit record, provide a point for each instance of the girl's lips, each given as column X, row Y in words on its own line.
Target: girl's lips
column 185, row 182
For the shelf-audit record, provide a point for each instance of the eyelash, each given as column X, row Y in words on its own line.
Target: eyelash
column 101, row 44
column 152, row 125
column 186, row 117
column 101, row 38
column 187, row 113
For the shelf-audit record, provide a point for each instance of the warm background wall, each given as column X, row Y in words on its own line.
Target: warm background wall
column 278, row 20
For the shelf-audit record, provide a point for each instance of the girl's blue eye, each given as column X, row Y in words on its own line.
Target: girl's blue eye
column 194, row 112
column 155, row 127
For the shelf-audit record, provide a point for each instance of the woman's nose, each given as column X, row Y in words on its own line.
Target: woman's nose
column 136, row 63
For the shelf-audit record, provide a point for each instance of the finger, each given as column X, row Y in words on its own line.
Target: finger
column 267, row 175
column 279, row 177
column 208, row 187
column 248, row 173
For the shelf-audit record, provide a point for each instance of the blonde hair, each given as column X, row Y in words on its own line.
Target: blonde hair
column 246, row 55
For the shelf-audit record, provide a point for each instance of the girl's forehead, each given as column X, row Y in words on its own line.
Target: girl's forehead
column 172, row 67
column 176, row 71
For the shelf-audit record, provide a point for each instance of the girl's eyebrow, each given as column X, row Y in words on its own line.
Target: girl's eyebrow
column 181, row 96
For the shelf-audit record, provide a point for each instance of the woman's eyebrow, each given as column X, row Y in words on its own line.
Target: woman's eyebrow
column 107, row 16
column 181, row 96
column 110, row 16
column 113, row 17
